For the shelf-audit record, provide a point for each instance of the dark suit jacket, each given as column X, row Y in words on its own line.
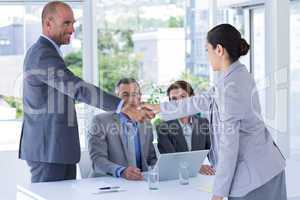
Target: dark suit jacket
column 171, row 138
column 50, row 131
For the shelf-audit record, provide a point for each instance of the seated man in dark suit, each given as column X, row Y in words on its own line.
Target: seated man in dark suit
column 185, row 134
column 118, row 145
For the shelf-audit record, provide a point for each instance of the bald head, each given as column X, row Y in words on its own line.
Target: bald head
column 51, row 9
column 58, row 22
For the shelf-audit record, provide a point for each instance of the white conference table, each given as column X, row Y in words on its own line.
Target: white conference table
column 84, row 189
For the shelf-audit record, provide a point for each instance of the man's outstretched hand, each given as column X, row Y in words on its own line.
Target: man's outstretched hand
column 155, row 108
column 139, row 114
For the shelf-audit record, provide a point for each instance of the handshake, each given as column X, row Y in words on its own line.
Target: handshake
column 141, row 113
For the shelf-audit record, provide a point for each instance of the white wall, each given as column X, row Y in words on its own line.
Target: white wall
column 162, row 54
column 171, row 54
column 12, row 172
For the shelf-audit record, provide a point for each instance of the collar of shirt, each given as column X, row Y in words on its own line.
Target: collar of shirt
column 232, row 67
column 187, row 128
column 189, row 123
column 222, row 75
column 125, row 119
column 54, row 44
column 187, row 132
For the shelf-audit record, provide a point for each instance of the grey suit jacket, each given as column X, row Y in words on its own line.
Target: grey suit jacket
column 107, row 145
column 50, row 131
column 171, row 138
column 243, row 151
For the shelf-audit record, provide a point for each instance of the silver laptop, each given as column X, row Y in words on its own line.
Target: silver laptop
column 168, row 164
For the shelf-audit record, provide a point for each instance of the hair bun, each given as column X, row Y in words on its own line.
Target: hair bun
column 244, row 47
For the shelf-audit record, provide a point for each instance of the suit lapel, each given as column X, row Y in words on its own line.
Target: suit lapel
column 198, row 136
column 195, row 136
column 211, row 136
column 121, row 135
column 179, row 137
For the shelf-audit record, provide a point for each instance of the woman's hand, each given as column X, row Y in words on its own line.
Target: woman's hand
column 217, row 198
column 155, row 108
column 207, row 170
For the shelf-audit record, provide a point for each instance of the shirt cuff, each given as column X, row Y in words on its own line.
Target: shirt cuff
column 120, row 106
column 119, row 171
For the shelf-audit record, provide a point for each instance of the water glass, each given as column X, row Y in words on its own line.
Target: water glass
column 183, row 173
column 153, row 178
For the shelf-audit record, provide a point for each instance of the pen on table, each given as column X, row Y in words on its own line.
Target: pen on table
column 109, row 188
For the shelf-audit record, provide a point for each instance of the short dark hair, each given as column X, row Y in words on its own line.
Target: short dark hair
column 50, row 8
column 180, row 84
column 127, row 81
column 230, row 38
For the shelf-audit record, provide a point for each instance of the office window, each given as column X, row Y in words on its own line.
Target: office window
column 197, row 26
column 258, row 43
column 146, row 40
column 20, row 27
column 251, row 23
column 239, row 18
column 295, row 81
column 258, row 54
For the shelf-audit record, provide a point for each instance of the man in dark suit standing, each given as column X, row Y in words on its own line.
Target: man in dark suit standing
column 50, row 140
column 187, row 133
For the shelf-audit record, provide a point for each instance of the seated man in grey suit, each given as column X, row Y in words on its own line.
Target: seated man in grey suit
column 118, row 145
column 185, row 134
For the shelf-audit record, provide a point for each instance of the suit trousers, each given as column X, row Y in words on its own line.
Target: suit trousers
column 275, row 189
column 45, row 172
